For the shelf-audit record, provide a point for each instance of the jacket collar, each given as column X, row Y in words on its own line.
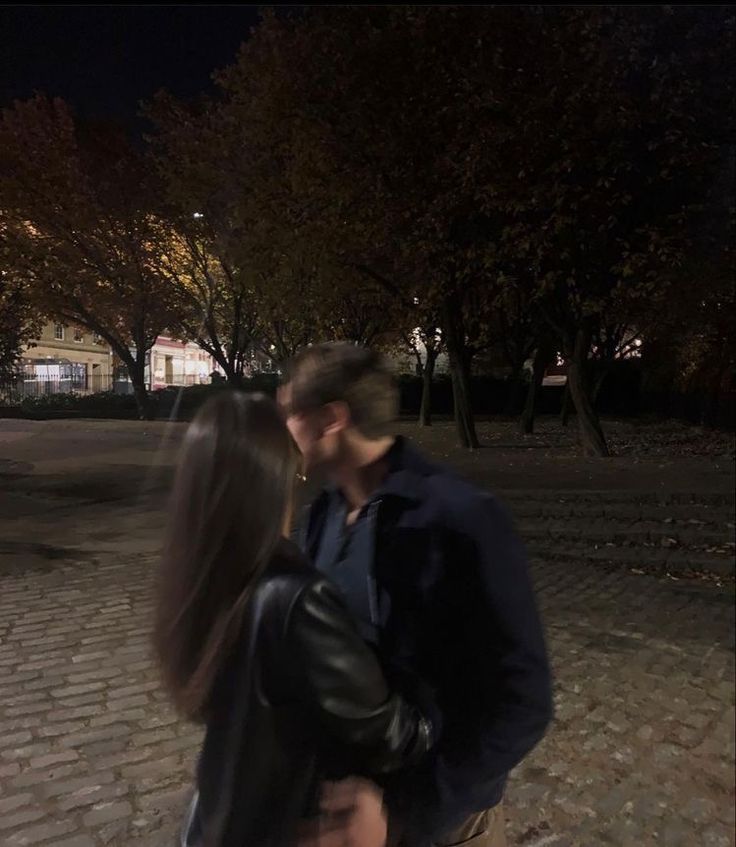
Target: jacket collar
column 407, row 468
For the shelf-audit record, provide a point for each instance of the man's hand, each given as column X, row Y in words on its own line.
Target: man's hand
column 352, row 816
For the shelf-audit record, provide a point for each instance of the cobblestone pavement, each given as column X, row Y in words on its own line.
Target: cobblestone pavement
column 642, row 749
column 641, row 752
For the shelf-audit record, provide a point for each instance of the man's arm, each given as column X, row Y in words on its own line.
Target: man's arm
column 503, row 671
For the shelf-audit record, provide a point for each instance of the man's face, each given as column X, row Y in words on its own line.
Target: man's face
column 307, row 429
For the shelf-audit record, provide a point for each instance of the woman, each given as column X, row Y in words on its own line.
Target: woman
column 254, row 643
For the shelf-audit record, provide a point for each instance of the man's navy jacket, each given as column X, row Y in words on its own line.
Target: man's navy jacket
column 452, row 615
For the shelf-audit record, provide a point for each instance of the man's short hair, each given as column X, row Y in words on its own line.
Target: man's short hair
column 339, row 371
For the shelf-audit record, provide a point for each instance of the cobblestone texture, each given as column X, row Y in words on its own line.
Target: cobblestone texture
column 641, row 752
column 642, row 749
column 677, row 534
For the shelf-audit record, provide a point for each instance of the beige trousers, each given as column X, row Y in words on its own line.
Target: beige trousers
column 484, row 829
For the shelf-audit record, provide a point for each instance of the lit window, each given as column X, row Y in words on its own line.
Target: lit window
column 79, row 336
column 59, row 332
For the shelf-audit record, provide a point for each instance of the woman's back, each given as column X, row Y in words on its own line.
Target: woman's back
column 300, row 699
column 256, row 770
column 255, row 643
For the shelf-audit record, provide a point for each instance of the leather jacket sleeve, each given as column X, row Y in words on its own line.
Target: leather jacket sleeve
column 339, row 679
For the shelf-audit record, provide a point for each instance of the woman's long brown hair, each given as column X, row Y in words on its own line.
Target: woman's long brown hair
column 231, row 494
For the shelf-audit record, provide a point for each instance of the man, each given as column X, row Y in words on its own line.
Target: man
column 433, row 572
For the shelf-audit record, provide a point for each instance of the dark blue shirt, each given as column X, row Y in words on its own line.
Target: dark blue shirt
column 345, row 556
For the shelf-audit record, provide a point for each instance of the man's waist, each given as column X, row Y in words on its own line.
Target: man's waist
column 423, row 805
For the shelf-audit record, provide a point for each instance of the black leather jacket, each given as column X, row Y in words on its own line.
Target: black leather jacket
column 301, row 699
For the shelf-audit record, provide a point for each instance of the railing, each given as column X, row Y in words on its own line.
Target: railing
column 25, row 385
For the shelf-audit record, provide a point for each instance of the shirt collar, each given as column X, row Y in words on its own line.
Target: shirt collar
column 406, row 469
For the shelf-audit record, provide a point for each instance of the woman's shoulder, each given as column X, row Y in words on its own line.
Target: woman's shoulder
column 288, row 560
column 288, row 577
column 288, row 572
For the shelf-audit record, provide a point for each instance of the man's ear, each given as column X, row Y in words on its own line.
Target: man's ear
column 283, row 397
column 336, row 417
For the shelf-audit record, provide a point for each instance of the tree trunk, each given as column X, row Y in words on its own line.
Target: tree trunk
column 137, row 372
column 460, row 359
column 136, row 367
column 591, row 434
column 425, row 410
column 516, row 389
column 598, row 384
column 526, row 423
column 460, row 373
column 229, row 366
column 418, row 365
column 567, row 404
column 234, row 376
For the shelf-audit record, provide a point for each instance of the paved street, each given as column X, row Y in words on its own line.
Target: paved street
column 642, row 749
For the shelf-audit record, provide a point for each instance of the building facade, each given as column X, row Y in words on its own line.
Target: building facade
column 172, row 362
column 65, row 359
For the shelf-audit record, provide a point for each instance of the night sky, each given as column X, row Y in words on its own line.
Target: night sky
column 104, row 59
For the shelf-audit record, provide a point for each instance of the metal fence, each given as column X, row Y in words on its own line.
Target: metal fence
column 25, row 385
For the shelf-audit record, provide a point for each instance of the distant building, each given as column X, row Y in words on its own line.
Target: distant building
column 65, row 359
column 171, row 363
